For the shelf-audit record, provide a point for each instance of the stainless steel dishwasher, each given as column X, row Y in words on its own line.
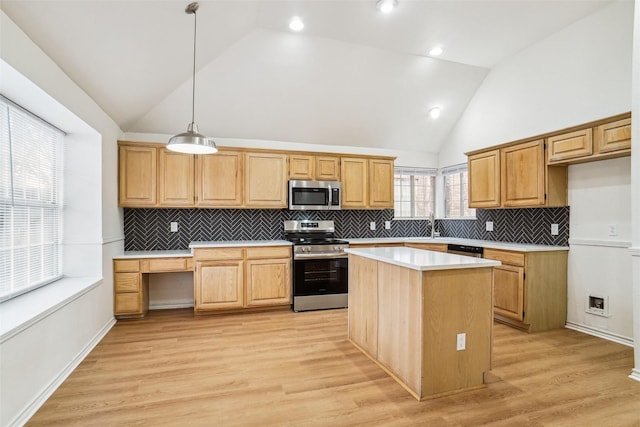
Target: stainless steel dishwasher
column 474, row 251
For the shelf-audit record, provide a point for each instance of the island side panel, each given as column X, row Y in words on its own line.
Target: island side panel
column 456, row 301
column 363, row 303
column 400, row 324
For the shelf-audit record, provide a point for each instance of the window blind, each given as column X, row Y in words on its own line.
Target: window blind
column 30, row 201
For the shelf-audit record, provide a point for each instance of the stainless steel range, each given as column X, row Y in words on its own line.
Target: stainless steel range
column 320, row 265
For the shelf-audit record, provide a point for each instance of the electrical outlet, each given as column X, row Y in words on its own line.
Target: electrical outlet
column 174, row 227
column 387, row 225
column 489, row 226
column 461, row 342
column 372, row 225
column 613, row 229
column 554, row 229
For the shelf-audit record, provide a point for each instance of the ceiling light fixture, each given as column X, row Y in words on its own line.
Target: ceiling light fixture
column 296, row 23
column 386, row 6
column 192, row 142
column 436, row 51
column 434, row 112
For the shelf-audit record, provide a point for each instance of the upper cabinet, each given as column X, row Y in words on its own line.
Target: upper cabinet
column 515, row 175
column 152, row 176
column 484, row 179
column 310, row 167
column 219, row 179
column 599, row 140
column 366, row 183
column 265, row 180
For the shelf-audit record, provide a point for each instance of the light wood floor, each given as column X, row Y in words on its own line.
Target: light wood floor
column 297, row 369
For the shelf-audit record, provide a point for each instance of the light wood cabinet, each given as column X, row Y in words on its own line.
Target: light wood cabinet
column 570, row 145
column 175, row 179
column 355, row 191
column 137, row 171
column 327, row 168
column 614, row 137
column 436, row 247
column 265, row 180
column 523, row 174
column 218, row 285
column 219, row 179
column 301, row 166
column 530, row 288
column 242, row 277
column 130, row 289
column 380, row 183
column 484, row 179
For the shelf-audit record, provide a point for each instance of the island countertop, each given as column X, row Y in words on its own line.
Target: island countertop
column 417, row 259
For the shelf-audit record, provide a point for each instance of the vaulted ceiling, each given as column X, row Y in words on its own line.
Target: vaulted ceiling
column 353, row 76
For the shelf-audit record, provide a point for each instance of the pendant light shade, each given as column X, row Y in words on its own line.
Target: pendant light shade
column 191, row 141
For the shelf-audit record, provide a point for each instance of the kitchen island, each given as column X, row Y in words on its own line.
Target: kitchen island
column 425, row 317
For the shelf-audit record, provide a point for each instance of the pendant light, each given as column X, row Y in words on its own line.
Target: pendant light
column 192, row 142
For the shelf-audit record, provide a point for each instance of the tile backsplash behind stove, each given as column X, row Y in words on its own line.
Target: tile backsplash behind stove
column 149, row 229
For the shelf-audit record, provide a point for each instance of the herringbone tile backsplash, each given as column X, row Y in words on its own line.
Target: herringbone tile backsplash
column 149, row 229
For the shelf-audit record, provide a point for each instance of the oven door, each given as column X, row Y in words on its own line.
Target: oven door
column 320, row 276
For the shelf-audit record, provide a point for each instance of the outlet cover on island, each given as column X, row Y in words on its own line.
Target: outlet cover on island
column 461, row 342
column 489, row 226
column 174, row 227
column 372, row 225
column 554, row 229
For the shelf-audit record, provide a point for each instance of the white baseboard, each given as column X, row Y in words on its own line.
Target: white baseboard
column 600, row 334
column 635, row 374
column 170, row 306
column 40, row 399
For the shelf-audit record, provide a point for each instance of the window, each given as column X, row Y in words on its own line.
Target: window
column 456, row 192
column 414, row 190
column 30, row 201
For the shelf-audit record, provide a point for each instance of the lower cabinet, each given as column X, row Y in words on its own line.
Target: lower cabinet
column 131, row 289
column 257, row 277
column 530, row 289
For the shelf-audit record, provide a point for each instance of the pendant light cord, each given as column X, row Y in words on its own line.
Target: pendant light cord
column 193, row 87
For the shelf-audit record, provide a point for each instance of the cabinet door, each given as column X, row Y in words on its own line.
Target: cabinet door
column 363, row 303
column 268, row 282
column 137, row 171
column 354, row 182
column 175, row 179
column 327, row 168
column 508, row 291
column 523, row 169
column 380, row 183
column 301, row 166
column 570, row 145
column 219, row 285
column 219, row 179
column 128, row 304
column 484, row 179
column 266, row 180
column 615, row 136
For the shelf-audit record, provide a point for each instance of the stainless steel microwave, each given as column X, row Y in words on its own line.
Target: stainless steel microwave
column 314, row 195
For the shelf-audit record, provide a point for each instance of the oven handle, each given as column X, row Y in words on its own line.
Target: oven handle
column 319, row 256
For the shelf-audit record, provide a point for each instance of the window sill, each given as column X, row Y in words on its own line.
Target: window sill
column 19, row 313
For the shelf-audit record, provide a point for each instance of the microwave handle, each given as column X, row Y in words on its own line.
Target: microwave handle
column 330, row 196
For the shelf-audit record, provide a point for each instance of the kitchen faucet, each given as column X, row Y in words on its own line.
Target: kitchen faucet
column 433, row 225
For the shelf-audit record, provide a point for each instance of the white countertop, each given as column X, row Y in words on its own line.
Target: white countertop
column 155, row 254
column 417, row 259
column 508, row 246
column 234, row 243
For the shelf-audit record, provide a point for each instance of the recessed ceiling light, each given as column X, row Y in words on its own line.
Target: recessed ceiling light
column 296, row 23
column 436, row 51
column 434, row 112
column 386, row 6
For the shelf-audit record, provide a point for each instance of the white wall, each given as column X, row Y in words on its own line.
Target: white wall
column 580, row 74
column 600, row 196
column 37, row 359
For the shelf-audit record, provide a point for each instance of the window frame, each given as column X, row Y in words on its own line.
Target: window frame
column 412, row 172
column 463, row 196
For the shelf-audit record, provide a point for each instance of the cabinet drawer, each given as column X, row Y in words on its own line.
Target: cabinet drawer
column 219, row 253
column 506, row 257
column 159, row 265
column 570, row 145
column 126, row 266
column 437, row 247
column 129, row 303
column 269, row 252
column 127, row 282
